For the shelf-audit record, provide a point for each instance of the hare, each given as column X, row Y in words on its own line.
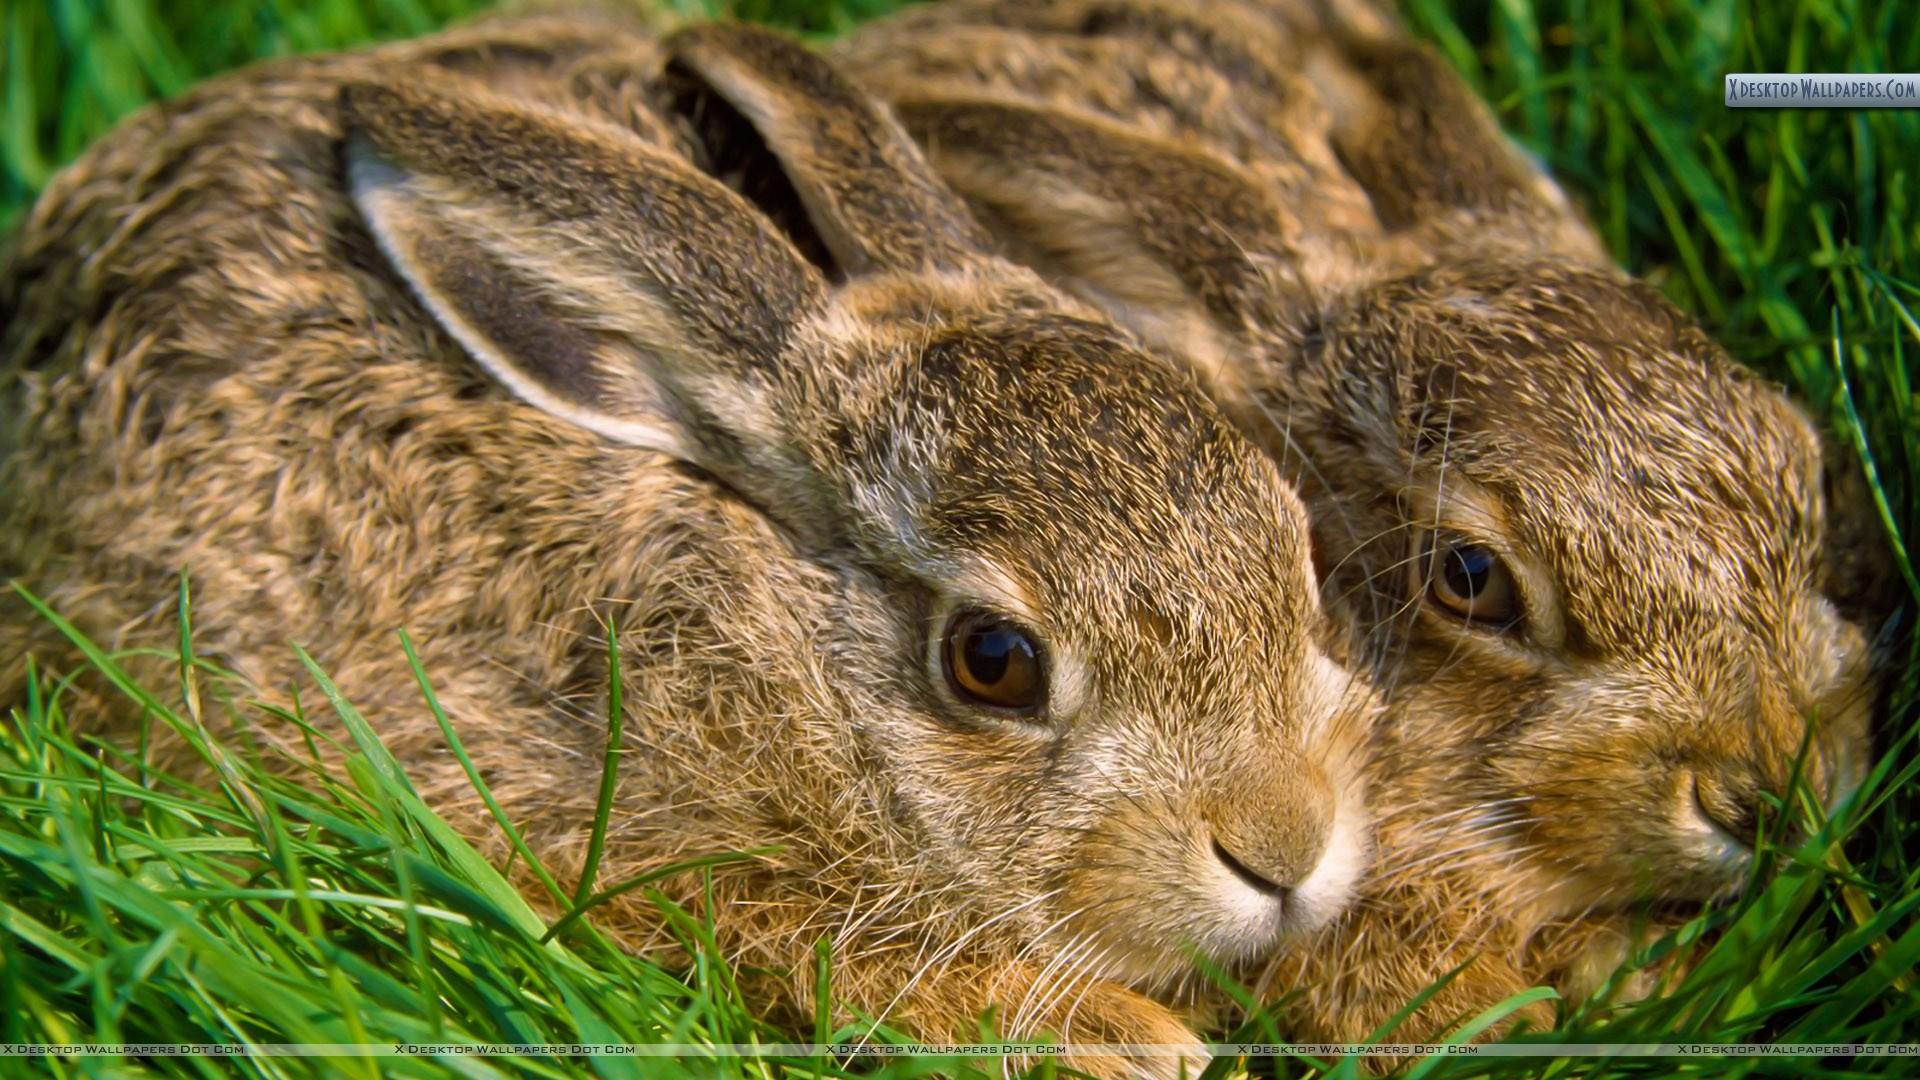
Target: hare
column 1582, row 552
column 985, row 616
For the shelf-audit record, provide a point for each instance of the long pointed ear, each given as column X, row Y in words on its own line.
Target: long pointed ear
column 1423, row 145
column 1859, row 571
column 1184, row 247
column 866, row 188
column 598, row 278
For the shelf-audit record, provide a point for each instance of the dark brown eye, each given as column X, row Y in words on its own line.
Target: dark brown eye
column 1469, row 580
column 991, row 661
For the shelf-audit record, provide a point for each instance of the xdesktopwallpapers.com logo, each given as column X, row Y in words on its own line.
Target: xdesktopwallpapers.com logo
column 1823, row 91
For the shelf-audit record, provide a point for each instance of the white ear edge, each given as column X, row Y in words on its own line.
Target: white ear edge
column 374, row 185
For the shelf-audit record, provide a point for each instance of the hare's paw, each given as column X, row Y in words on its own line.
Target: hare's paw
column 1147, row 1040
column 1114, row 1033
column 1581, row 958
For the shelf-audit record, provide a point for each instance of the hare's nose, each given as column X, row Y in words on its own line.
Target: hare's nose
column 1735, row 804
column 1254, row 878
column 1273, row 840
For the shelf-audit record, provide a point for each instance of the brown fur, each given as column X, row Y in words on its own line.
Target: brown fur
column 234, row 338
column 1428, row 337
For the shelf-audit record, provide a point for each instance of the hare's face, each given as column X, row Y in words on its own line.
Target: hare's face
column 1594, row 573
column 1113, row 710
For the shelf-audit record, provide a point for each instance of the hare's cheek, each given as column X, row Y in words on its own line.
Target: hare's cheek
column 1625, row 800
column 960, row 794
column 1552, row 783
column 1842, row 717
column 1484, row 673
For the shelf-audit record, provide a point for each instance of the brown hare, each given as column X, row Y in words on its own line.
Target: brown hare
column 988, row 618
column 1583, row 552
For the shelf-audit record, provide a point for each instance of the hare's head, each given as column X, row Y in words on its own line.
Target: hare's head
column 1584, row 548
column 1076, row 644
column 1589, row 547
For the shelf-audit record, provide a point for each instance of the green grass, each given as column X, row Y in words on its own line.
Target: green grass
column 136, row 906
column 330, row 907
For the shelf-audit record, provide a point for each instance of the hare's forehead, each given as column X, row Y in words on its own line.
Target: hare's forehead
column 1218, row 569
column 1099, row 477
column 1697, row 603
column 1179, row 620
column 1666, row 477
column 1616, row 395
column 1081, row 548
column 1071, row 409
column 1658, row 441
column 1586, row 368
column 1634, row 546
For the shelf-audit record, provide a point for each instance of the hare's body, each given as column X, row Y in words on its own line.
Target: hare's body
column 1582, row 551
column 216, row 368
column 330, row 474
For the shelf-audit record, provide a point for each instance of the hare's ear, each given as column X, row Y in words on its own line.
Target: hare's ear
column 598, row 278
column 1859, row 570
column 864, row 187
column 1175, row 242
column 1424, row 146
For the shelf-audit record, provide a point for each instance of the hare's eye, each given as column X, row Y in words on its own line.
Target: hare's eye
column 991, row 661
column 1468, row 580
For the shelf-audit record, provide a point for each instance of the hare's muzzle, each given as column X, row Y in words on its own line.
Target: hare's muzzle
column 1230, row 863
column 1283, row 846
